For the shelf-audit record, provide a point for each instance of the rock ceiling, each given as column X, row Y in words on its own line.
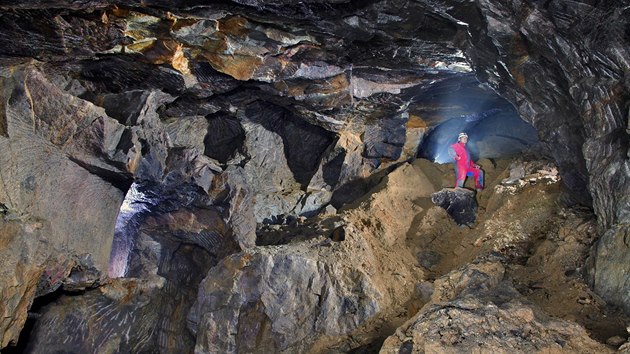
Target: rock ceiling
column 204, row 105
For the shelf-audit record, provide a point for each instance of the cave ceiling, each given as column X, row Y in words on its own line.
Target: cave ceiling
column 213, row 118
column 339, row 65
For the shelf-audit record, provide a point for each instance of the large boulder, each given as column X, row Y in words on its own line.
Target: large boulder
column 285, row 300
column 459, row 203
column 608, row 266
column 475, row 309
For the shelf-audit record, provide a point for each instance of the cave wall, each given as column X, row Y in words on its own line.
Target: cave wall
column 57, row 216
column 565, row 65
column 567, row 75
column 95, row 95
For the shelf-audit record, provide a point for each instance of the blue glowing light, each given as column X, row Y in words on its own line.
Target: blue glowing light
column 134, row 203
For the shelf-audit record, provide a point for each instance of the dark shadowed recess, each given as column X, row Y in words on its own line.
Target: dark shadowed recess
column 115, row 74
column 385, row 138
column 210, row 79
column 303, row 10
column 304, row 143
column 332, row 168
column 34, row 312
column 225, row 136
column 355, row 191
column 56, row 34
column 4, row 129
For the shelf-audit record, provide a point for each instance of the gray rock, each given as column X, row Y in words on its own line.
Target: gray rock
column 615, row 341
column 187, row 132
column 328, row 210
column 386, row 137
column 285, row 300
column 460, row 204
column 474, row 308
column 241, row 208
column 608, row 266
column 44, row 187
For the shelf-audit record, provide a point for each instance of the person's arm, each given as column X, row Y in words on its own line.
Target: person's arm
column 453, row 154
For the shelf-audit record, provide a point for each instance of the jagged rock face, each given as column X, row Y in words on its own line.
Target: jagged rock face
column 166, row 242
column 263, row 299
column 608, row 266
column 123, row 316
column 48, row 145
column 315, row 294
column 459, row 203
column 283, row 301
column 567, row 75
column 272, row 108
column 473, row 309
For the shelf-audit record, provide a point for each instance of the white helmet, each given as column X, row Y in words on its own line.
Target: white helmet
column 462, row 135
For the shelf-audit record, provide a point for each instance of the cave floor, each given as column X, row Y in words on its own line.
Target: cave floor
column 545, row 241
column 529, row 224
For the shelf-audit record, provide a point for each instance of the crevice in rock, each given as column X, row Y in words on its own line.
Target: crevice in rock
column 373, row 347
column 116, row 179
column 116, row 74
column 4, row 129
column 351, row 193
column 34, row 313
column 224, row 138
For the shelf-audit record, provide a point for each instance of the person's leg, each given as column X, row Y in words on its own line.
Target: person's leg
column 478, row 175
column 460, row 173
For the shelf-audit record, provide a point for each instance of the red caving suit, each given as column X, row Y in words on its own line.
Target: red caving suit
column 464, row 166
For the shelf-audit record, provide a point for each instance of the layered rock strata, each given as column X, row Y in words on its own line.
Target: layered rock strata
column 254, row 110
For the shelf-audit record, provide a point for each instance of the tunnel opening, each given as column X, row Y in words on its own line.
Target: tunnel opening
column 494, row 128
column 146, row 200
column 135, row 203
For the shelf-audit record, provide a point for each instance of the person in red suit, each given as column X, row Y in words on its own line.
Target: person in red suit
column 464, row 166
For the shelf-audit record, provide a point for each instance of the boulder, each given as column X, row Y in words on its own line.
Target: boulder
column 285, row 300
column 475, row 309
column 460, row 204
column 608, row 266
